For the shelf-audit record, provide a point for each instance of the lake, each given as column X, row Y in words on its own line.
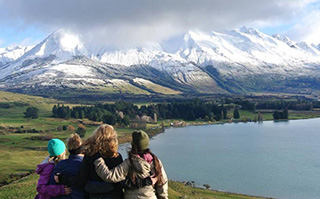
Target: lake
column 272, row 159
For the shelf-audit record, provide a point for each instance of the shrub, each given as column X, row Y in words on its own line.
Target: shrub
column 81, row 131
column 71, row 128
column 32, row 112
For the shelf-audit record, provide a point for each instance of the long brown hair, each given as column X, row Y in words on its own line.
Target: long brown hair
column 104, row 141
column 157, row 166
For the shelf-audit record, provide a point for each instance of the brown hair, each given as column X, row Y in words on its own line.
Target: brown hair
column 104, row 141
column 74, row 141
column 157, row 166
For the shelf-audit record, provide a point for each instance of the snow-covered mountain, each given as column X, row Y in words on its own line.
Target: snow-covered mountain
column 237, row 61
column 10, row 54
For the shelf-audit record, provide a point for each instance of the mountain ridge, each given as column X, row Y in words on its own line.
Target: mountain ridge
column 237, row 61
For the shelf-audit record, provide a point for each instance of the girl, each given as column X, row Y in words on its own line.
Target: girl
column 140, row 164
column 56, row 149
column 70, row 167
column 103, row 143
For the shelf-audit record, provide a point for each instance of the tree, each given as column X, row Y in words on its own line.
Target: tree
column 285, row 114
column 276, row 115
column 32, row 112
column 81, row 130
column 236, row 114
column 260, row 117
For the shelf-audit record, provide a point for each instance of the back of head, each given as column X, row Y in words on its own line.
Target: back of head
column 104, row 141
column 56, row 149
column 74, row 144
column 140, row 144
column 140, row 140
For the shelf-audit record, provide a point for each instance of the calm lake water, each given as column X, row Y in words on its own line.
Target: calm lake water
column 274, row 159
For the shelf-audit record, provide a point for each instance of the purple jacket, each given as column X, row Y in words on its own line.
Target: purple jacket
column 46, row 191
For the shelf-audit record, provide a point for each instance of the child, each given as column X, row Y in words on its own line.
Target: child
column 70, row 167
column 56, row 149
column 140, row 164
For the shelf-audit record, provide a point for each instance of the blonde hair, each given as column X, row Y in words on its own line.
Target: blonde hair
column 74, row 141
column 58, row 158
column 104, row 141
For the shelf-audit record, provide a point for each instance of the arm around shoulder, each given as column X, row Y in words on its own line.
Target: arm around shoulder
column 44, row 188
column 117, row 174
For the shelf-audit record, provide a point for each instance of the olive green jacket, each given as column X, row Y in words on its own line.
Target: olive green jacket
column 142, row 170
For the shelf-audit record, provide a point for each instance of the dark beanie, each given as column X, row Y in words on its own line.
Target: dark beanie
column 140, row 139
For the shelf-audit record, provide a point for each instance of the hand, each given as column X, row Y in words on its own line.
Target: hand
column 96, row 156
column 56, row 177
column 154, row 179
column 68, row 190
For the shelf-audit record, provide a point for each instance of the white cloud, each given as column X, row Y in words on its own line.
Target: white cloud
column 307, row 29
column 128, row 22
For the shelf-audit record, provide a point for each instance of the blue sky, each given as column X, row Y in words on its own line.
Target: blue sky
column 124, row 21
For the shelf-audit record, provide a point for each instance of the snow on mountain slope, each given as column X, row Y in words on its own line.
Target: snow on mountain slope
column 195, row 61
column 63, row 44
column 10, row 54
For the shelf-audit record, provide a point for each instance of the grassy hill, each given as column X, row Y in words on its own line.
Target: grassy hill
column 26, row 188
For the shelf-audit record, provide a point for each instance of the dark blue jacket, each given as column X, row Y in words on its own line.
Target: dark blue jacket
column 69, row 167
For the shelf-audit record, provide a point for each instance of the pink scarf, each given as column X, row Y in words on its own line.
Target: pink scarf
column 147, row 157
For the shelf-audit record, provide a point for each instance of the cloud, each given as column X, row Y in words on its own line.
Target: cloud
column 307, row 29
column 128, row 22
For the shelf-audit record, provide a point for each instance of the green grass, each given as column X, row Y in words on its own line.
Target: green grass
column 177, row 191
column 26, row 188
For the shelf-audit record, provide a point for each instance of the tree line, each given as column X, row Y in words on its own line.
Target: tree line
column 122, row 112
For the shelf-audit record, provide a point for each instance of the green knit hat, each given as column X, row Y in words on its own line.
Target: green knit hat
column 56, row 147
column 140, row 139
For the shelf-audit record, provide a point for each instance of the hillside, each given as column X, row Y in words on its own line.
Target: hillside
column 26, row 188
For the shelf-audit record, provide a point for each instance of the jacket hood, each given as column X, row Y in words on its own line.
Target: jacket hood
column 44, row 168
column 141, row 167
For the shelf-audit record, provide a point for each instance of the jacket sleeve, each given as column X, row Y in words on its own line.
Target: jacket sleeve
column 162, row 190
column 51, row 190
column 117, row 174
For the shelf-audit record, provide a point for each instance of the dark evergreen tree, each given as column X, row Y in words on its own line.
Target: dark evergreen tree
column 32, row 112
column 236, row 114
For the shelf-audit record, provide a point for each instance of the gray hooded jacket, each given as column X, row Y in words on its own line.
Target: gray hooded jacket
column 142, row 170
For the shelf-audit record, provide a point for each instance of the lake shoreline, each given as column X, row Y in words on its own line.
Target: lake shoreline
column 226, row 122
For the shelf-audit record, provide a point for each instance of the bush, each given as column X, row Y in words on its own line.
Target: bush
column 71, row 128
column 81, row 131
column 32, row 112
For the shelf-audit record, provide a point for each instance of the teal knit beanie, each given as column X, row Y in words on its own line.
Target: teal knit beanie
column 56, row 147
column 140, row 139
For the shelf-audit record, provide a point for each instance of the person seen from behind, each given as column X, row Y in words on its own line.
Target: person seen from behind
column 57, row 152
column 70, row 167
column 140, row 164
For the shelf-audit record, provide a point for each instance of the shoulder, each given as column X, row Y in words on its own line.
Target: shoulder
column 47, row 168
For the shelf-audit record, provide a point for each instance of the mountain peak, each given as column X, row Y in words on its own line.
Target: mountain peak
column 250, row 31
column 67, row 40
column 62, row 43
